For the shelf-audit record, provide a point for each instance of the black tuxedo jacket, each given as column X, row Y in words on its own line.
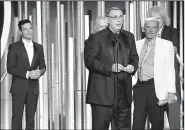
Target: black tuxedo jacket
column 18, row 65
column 98, row 59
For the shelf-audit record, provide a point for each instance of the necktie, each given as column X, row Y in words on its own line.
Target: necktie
column 159, row 35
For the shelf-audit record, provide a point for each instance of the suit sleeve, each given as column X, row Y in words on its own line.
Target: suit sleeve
column 175, row 38
column 170, row 68
column 93, row 64
column 42, row 65
column 12, row 64
column 134, row 58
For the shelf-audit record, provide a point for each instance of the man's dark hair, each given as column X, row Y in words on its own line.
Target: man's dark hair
column 22, row 22
column 110, row 9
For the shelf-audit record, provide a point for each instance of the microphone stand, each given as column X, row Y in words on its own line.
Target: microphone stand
column 117, row 43
column 115, row 88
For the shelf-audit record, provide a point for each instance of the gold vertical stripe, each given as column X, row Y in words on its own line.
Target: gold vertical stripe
column 20, row 10
column 25, row 9
column 63, row 62
column 175, row 14
column 127, row 6
column 39, row 40
column 45, row 38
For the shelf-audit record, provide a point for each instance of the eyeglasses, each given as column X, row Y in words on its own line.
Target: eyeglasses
column 116, row 17
column 153, row 28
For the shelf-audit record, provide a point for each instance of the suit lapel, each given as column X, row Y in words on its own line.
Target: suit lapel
column 34, row 54
column 157, row 55
column 124, row 50
column 24, row 53
column 109, row 45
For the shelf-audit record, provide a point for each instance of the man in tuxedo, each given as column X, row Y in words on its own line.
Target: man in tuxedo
column 25, row 62
column 156, row 78
column 112, row 60
column 169, row 33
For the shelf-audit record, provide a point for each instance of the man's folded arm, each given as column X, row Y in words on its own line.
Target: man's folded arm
column 92, row 63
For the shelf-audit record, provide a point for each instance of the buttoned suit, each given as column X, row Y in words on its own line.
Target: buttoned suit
column 24, row 90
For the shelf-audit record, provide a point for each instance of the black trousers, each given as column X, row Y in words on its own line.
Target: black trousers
column 119, row 117
column 145, row 102
column 30, row 100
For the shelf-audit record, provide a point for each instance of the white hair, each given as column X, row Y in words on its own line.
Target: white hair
column 150, row 19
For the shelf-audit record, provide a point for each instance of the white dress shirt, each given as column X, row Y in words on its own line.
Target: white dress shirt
column 30, row 51
column 160, row 32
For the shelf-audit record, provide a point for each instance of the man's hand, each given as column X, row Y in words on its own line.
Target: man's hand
column 162, row 102
column 175, row 49
column 129, row 68
column 171, row 98
column 34, row 74
column 117, row 67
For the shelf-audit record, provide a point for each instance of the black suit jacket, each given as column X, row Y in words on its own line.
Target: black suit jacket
column 18, row 65
column 98, row 60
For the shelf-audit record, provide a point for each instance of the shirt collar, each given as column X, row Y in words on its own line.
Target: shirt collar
column 160, row 31
column 151, row 42
column 27, row 43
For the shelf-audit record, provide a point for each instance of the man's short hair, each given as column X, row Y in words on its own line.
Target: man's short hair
column 161, row 10
column 150, row 19
column 110, row 9
column 100, row 18
column 22, row 22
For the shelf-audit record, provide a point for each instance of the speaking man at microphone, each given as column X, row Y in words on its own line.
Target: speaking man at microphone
column 112, row 59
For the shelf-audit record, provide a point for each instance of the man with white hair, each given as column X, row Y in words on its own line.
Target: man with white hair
column 167, row 32
column 156, row 78
column 101, row 23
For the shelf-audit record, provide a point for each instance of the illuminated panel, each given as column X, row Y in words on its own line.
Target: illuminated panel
column 127, row 21
column 20, row 10
column 88, row 120
column 63, row 62
column 132, row 17
column 40, row 114
column 175, row 14
column 181, row 48
column 45, row 39
column 101, row 8
column 6, row 26
column 70, row 87
column 79, row 66
column 25, row 9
